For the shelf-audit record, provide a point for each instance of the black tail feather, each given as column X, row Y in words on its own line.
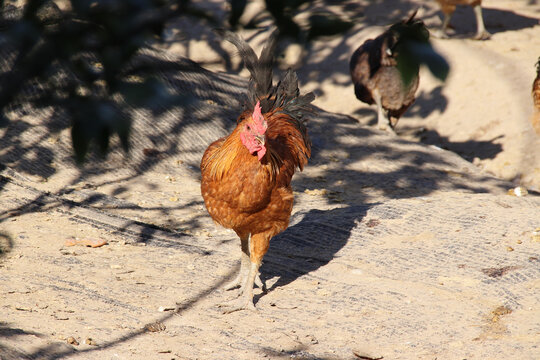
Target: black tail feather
column 289, row 99
column 260, row 68
column 286, row 95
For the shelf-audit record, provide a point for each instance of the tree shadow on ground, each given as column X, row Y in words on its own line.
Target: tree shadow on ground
column 6, row 244
column 59, row 350
column 504, row 20
column 7, row 332
column 35, row 141
column 468, row 150
column 428, row 102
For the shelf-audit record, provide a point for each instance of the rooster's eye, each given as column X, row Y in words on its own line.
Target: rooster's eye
column 249, row 127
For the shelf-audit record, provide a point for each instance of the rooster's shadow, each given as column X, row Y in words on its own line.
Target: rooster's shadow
column 309, row 244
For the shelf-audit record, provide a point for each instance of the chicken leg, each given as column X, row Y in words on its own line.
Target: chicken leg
column 481, row 32
column 245, row 300
column 241, row 278
column 383, row 121
column 448, row 10
column 441, row 33
column 258, row 245
column 244, row 265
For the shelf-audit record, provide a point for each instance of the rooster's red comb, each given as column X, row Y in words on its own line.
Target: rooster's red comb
column 258, row 119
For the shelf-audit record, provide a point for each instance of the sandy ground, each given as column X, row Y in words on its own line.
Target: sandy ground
column 396, row 250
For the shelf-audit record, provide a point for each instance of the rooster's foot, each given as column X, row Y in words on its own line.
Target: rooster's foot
column 236, row 283
column 484, row 35
column 260, row 284
column 386, row 127
column 240, row 279
column 439, row 34
column 237, row 305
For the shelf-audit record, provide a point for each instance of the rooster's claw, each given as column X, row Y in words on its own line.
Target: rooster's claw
column 237, row 305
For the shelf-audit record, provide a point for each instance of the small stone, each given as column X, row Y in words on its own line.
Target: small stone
column 518, row 191
column 85, row 242
column 536, row 235
column 71, row 340
column 20, row 308
column 163, row 308
column 312, row 339
column 90, row 341
column 155, row 327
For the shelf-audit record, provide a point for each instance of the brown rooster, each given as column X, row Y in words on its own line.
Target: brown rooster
column 375, row 74
column 536, row 99
column 449, row 6
column 246, row 176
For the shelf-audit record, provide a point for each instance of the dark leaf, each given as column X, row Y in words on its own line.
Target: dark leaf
column 412, row 54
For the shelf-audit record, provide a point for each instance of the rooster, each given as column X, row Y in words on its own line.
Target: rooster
column 246, row 176
column 375, row 74
column 536, row 99
column 449, row 6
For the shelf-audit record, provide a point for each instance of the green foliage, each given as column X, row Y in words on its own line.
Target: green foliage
column 414, row 49
column 416, row 53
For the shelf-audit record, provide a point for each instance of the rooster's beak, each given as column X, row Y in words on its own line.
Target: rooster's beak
column 260, row 139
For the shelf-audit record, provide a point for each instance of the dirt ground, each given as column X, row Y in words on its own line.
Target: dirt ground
column 397, row 249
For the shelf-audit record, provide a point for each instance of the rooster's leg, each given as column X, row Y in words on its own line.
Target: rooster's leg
column 258, row 246
column 242, row 277
column 259, row 283
column 481, row 33
column 382, row 118
column 244, row 266
column 245, row 301
column 441, row 33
